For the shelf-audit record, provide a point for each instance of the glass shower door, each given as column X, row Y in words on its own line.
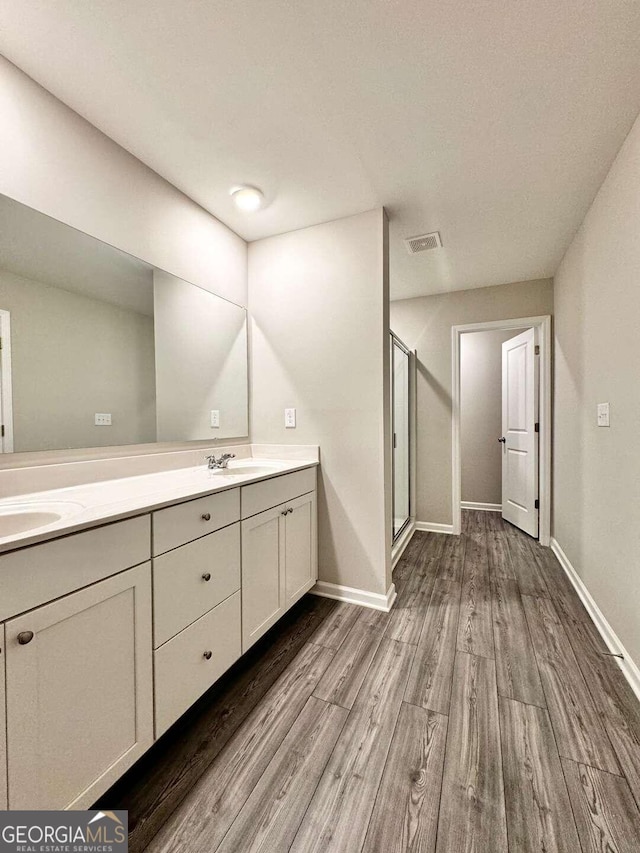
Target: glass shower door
column 400, row 364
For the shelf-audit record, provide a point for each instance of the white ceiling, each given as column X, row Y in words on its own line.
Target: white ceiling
column 493, row 122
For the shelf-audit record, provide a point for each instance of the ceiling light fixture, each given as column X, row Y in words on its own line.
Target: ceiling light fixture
column 247, row 198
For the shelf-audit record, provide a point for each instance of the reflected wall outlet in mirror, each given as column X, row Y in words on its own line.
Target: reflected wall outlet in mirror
column 603, row 415
column 290, row 418
column 215, row 418
column 103, row 419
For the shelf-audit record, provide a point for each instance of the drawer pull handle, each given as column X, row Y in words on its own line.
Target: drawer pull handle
column 207, row 655
column 206, row 576
column 25, row 637
column 206, row 516
column 286, row 511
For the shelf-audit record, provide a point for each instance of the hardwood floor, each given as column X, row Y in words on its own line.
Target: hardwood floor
column 480, row 715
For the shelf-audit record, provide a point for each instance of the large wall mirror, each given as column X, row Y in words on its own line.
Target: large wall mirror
column 99, row 348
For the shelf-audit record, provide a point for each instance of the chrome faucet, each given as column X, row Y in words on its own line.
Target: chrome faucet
column 223, row 462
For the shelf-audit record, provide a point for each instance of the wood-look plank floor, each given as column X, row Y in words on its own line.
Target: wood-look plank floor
column 482, row 714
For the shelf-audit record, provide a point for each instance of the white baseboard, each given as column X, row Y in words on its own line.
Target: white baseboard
column 401, row 544
column 629, row 668
column 434, row 527
column 374, row 600
column 481, row 506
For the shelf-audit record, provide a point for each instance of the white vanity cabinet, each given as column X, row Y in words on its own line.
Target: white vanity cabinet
column 196, row 600
column 109, row 635
column 279, row 550
column 4, row 805
column 79, row 700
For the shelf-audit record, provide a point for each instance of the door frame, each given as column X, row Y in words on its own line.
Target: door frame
column 6, row 390
column 395, row 340
column 543, row 325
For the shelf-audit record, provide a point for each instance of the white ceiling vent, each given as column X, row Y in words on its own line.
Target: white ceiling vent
column 423, row 243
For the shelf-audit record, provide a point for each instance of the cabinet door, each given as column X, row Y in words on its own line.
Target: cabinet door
column 300, row 549
column 262, row 557
column 3, row 729
column 79, row 692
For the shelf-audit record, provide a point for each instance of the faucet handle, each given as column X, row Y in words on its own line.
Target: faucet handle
column 227, row 456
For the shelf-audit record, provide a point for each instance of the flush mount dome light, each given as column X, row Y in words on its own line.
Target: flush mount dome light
column 247, row 198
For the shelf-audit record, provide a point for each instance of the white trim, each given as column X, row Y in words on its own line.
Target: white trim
column 434, row 527
column 403, row 541
column 480, row 506
column 7, row 392
column 543, row 324
column 374, row 600
column 629, row 668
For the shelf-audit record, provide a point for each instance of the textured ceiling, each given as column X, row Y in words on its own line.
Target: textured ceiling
column 492, row 122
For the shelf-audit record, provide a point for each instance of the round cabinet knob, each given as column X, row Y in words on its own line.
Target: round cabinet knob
column 206, row 516
column 207, row 655
column 25, row 637
column 284, row 512
column 502, row 440
column 206, row 576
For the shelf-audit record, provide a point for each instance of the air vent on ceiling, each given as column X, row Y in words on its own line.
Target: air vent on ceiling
column 423, row 243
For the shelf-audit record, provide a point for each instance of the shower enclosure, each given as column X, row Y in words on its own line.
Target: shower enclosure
column 401, row 429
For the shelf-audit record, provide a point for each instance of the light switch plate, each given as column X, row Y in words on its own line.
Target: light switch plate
column 603, row 415
column 103, row 419
column 215, row 418
column 290, row 418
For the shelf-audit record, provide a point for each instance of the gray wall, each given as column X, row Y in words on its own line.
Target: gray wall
column 319, row 343
column 596, row 470
column 73, row 356
column 201, row 362
column 481, row 415
column 425, row 324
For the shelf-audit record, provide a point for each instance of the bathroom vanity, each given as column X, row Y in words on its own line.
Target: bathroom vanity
column 118, row 614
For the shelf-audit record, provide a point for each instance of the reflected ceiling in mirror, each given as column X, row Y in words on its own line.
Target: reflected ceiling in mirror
column 92, row 358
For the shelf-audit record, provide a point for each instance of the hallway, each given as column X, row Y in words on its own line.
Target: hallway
column 482, row 713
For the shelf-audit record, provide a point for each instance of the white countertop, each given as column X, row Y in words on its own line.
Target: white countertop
column 101, row 502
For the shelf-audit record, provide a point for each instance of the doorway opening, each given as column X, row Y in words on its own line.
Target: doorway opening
column 502, row 422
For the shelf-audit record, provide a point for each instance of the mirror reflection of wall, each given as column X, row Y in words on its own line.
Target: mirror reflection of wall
column 82, row 350
column 201, row 362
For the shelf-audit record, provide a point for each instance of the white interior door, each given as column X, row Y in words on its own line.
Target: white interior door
column 519, row 437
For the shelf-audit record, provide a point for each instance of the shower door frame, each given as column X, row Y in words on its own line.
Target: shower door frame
column 396, row 341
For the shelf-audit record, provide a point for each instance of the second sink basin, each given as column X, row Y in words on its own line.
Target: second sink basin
column 22, row 517
column 245, row 470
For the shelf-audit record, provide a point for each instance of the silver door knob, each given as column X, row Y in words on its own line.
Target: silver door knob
column 25, row 637
column 502, row 440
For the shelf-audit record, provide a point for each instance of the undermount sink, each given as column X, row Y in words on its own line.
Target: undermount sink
column 243, row 469
column 18, row 518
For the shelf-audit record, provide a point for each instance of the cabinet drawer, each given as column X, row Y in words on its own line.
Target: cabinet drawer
column 188, row 521
column 260, row 496
column 40, row 573
column 182, row 671
column 192, row 579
